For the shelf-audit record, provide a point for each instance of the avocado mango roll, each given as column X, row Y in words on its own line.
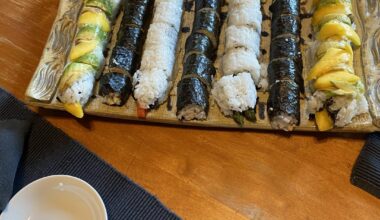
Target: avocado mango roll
column 86, row 58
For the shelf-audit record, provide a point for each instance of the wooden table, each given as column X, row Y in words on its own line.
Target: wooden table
column 199, row 173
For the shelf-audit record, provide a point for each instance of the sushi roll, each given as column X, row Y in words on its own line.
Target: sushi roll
column 286, row 24
column 337, row 94
column 235, row 92
column 154, row 78
column 86, row 58
column 285, row 67
column 115, row 85
column 199, row 66
column 241, row 60
column 207, row 22
column 284, row 105
column 193, row 102
column 110, row 7
column 246, row 14
column 200, row 44
column 243, row 36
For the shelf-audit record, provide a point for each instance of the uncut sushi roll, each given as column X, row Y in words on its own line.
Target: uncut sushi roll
column 198, row 64
column 116, row 83
column 285, row 67
column 86, row 58
column 153, row 79
column 235, row 92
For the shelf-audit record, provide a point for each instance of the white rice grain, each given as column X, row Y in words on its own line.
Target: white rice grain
column 169, row 13
column 243, row 36
column 246, row 14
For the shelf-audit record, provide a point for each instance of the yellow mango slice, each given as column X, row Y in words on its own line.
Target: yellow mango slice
column 74, row 109
column 338, row 29
column 334, row 59
column 82, row 49
column 324, row 120
column 338, row 44
column 326, row 82
column 322, row 12
column 97, row 18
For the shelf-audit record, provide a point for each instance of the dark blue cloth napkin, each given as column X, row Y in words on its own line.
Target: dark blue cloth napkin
column 49, row 151
column 366, row 171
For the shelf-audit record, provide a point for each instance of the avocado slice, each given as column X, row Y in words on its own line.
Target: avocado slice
column 91, row 33
column 337, row 29
column 104, row 5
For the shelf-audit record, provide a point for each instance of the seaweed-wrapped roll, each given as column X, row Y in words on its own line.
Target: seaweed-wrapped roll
column 116, row 82
column 285, row 67
column 198, row 68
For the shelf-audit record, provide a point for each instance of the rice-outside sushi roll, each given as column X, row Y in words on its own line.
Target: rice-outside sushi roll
column 153, row 80
column 116, row 83
column 337, row 94
column 235, row 92
column 86, row 57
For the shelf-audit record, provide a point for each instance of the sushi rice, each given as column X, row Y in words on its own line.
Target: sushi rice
column 241, row 60
column 235, row 93
column 153, row 80
column 236, row 90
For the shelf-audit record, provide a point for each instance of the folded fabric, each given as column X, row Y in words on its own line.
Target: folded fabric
column 366, row 171
column 12, row 136
column 49, row 151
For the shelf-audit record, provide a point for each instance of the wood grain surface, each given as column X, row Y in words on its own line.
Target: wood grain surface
column 199, row 173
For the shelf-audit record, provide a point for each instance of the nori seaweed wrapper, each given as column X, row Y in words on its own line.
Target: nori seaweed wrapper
column 284, row 98
column 124, row 59
column 281, row 7
column 200, row 66
column 135, row 12
column 117, row 85
column 214, row 4
column 285, row 46
column 200, row 43
column 208, row 23
column 286, row 24
column 191, row 91
column 284, row 69
column 130, row 37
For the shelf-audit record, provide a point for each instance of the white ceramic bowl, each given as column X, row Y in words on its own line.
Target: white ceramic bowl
column 56, row 198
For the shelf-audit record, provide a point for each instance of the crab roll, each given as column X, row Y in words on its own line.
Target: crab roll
column 245, row 15
column 286, row 24
column 241, row 60
column 173, row 18
column 214, row 4
column 135, row 13
column 193, row 103
column 207, row 22
column 110, row 7
column 284, row 105
column 282, row 7
column 199, row 66
column 284, row 69
column 201, row 44
column 243, row 36
column 75, row 87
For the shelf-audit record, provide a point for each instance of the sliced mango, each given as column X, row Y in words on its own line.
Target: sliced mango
column 322, row 12
column 324, row 3
column 326, row 82
column 336, row 28
column 95, row 18
column 324, row 120
column 339, row 17
column 334, row 59
column 338, row 44
column 74, row 109
column 82, row 49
